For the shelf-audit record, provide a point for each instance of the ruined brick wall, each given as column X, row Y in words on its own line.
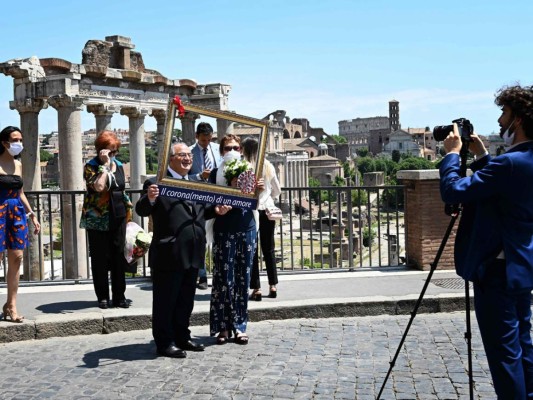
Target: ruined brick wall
column 96, row 52
column 425, row 220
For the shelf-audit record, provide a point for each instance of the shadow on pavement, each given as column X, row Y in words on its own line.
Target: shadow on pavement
column 67, row 306
column 114, row 355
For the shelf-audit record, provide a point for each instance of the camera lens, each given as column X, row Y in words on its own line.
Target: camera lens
column 441, row 132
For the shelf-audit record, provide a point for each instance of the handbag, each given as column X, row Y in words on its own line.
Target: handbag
column 273, row 213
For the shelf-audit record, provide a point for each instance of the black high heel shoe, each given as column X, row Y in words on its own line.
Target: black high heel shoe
column 256, row 295
column 273, row 293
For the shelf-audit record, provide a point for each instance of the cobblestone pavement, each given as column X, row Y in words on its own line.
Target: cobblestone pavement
column 336, row 358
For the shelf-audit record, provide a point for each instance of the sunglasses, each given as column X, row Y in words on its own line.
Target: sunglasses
column 229, row 148
column 112, row 153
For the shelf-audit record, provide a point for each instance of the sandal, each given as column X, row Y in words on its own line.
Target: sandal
column 241, row 338
column 273, row 292
column 256, row 295
column 222, row 338
column 11, row 314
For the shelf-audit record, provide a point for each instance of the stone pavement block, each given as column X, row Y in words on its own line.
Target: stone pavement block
column 127, row 320
column 14, row 332
column 61, row 325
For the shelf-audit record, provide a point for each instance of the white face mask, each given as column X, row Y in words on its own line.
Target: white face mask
column 15, row 148
column 507, row 136
column 232, row 155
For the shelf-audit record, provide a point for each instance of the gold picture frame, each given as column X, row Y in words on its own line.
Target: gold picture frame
column 179, row 115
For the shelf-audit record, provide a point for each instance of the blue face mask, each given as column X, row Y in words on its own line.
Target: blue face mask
column 112, row 159
column 15, row 148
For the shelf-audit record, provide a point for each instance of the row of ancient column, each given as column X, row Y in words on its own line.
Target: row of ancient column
column 71, row 166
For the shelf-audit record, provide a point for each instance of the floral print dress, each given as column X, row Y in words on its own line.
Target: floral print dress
column 13, row 222
column 234, row 245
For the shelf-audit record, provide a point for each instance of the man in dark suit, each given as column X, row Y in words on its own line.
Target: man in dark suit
column 206, row 157
column 494, row 241
column 176, row 253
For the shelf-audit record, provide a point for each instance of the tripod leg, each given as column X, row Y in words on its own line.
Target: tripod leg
column 420, row 297
column 468, row 337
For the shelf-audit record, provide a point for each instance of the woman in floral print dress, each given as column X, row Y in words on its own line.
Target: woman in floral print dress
column 235, row 236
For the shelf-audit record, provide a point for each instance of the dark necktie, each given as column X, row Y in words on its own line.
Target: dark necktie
column 207, row 161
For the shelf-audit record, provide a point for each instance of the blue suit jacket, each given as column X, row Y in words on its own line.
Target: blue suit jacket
column 497, row 213
column 198, row 159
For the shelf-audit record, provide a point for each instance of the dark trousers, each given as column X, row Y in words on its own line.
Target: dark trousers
column 266, row 239
column 173, row 301
column 107, row 255
column 503, row 317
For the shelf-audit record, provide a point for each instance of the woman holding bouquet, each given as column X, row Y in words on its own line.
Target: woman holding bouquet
column 235, row 235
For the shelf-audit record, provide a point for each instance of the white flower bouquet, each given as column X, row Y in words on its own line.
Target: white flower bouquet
column 234, row 168
column 137, row 242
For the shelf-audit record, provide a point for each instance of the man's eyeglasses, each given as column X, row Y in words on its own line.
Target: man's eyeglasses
column 184, row 155
column 229, row 148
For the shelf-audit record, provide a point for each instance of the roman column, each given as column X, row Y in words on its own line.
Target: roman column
column 71, row 178
column 102, row 115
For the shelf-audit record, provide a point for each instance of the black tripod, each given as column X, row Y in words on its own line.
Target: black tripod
column 454, row 211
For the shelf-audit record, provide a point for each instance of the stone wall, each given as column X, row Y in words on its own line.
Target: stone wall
column 425, row 220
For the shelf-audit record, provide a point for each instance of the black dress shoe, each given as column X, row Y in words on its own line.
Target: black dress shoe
column 172, row 351
column 122, row 304
column 202, row 284
column 190, row 345
column 103, row 304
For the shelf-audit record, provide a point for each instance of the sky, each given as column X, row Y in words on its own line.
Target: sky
column 326, row 61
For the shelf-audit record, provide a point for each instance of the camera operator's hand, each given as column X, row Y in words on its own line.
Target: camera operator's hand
column 453, row 143
column 476, row 146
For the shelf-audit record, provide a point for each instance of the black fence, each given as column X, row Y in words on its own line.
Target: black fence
column 341, row 227
column 323, row 228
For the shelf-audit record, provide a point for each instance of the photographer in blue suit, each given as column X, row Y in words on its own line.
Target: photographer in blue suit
column 494, row 242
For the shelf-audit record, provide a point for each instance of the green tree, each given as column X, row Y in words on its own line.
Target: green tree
column 396, row 156
column 339, row 139
column 45, row 156
column 415, row 163
column 359, row 197
column 314, row 194
column 362, row 152
column 124, row 154
column 339, row 181
column 366, row 164
column 151, row 161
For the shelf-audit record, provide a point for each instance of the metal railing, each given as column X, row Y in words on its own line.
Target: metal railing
column 323, row 228
column 341, row 227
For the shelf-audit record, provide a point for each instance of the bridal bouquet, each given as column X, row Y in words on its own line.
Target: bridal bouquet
column 234, row 168
column 137, row 242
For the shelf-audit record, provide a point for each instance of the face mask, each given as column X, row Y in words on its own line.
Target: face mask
column 508, row 137
column 232, row 155
column 111, row 160
column 15, row 148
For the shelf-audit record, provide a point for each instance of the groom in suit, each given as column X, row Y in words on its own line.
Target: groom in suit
column 206, row 157
column 494, row 241
column 206, row 154
column 176, row 253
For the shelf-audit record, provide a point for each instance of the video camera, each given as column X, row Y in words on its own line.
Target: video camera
column 466, row 129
